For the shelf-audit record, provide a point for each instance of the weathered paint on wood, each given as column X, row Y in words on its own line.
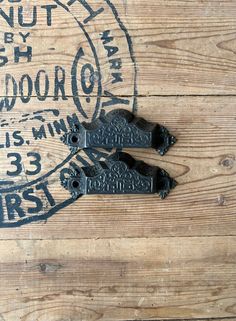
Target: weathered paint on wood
column 133, row 257
column 202, row 161
column 182, row 47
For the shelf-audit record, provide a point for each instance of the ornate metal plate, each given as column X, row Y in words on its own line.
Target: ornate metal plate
column 119, row 129
column 119, row 174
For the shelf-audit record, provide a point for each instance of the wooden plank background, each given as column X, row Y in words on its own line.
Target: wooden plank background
column 134, row 257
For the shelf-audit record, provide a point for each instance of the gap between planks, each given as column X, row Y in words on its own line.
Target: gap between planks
column 120, row 238
column 138, row 96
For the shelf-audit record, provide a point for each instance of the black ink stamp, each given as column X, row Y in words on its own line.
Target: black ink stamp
column 119, row 174
column 119, row 129
column 27, row 192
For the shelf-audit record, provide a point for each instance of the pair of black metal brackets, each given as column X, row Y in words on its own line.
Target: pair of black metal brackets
column 120, row 173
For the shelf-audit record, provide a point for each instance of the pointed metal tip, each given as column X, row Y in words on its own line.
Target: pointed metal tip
column 173, row 140
column 174, row 183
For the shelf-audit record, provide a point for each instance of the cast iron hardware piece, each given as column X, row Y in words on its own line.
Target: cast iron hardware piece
column 119, row 129
column 120, row 173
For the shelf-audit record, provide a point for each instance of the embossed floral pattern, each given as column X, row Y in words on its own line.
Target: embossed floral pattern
column 119, row 179
column 119, row 132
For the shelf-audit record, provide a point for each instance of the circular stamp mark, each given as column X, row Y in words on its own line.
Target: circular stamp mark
column 70, row 60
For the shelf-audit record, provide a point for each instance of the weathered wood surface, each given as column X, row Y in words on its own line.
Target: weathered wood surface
column 128, row 279
column 182, row 47
column 202, row 161
column 133, row 257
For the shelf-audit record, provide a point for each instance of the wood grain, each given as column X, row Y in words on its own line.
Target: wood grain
column 132, row 257
column 185, row 47
column 202, row 161
column 136, row 279
column 181, row 47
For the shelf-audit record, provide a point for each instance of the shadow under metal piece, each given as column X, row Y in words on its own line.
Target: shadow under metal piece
column 119, row 129
column 120, row 173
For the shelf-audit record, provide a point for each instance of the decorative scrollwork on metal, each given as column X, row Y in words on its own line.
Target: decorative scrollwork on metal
column 119, row 129
column 120, row 173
